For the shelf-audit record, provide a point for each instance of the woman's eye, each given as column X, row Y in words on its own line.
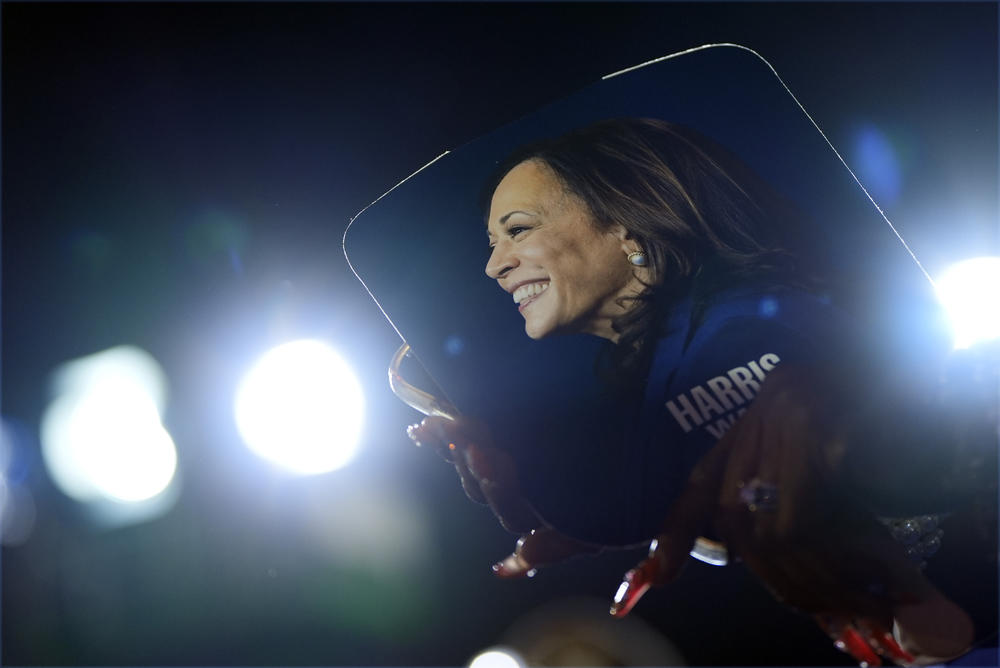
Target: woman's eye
column 516, row 230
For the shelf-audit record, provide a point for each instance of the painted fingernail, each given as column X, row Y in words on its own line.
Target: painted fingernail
column 654, row 545
column 629, row 592
column 514, row 566
column 850, row 641
column 890, row 645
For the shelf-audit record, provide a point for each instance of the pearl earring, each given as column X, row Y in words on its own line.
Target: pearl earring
column 637, row 258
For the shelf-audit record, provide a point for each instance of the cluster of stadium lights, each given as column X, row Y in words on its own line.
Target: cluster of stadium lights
column 104, row 443
column 300, row 407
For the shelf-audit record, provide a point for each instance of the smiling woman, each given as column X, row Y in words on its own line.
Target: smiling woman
column 686, row 216
column 562, row 268
column 740, row 391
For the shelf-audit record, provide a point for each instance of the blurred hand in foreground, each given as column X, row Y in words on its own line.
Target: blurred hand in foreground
column 489, row 476
column 773, row 490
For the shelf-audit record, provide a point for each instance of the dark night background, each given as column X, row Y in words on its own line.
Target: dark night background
column 179, row 177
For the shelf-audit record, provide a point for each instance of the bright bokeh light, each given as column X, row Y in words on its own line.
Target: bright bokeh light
column 970, row 293
column 102, row 436
column 497, row 657
column 301, row 407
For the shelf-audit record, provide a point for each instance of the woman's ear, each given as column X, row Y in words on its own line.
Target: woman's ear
column 625, row 239
column 620, row 232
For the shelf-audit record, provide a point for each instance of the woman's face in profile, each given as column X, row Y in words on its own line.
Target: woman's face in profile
column 565, row 273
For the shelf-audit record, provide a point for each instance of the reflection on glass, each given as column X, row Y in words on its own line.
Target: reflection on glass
column 413, row 397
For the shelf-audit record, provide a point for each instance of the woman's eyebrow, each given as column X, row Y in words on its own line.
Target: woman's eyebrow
column 503, row 218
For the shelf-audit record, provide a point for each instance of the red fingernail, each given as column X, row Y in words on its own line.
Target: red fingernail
column 897, row 652
column 629, row 592
column 851, row 642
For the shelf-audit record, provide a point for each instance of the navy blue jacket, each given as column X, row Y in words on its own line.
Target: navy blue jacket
column 619, row 468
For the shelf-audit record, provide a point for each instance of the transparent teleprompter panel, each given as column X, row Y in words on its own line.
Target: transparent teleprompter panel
column 421, row 250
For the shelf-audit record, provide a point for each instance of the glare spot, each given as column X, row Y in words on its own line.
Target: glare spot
column 970, row 293
column 17, row 505
column 497, row 657
column 6, row 446
column 877, row 165
column 17, row 513
column 236, row 261
column 768, row 307
column 301, row 407
column 454, row 345
column 101, row 435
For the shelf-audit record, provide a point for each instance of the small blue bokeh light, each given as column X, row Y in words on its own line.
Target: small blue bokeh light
column 768, row 307
column 454, row 345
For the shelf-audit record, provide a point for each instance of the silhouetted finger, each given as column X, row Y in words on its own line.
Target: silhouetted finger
column 849, row 640
column 490, row 465
column 546, row 545
column 934, row 627
column 690, row 514
column 513, row 511
column 431, row 432
column 541, row 547
column 470, row 484
column 877, row 634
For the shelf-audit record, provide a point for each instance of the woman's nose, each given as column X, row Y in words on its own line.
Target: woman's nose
column 501, row 262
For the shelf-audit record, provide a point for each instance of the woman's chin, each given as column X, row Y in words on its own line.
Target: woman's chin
column 534, row 333
column 537, row 329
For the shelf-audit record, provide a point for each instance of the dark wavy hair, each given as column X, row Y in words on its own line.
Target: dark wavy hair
column 704, row 219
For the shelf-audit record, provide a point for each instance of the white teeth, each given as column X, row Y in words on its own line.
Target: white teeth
column 529, row 290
